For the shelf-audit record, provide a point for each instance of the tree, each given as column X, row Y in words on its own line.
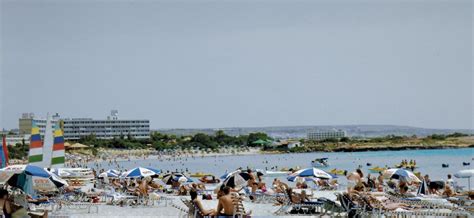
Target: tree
column 255, row 137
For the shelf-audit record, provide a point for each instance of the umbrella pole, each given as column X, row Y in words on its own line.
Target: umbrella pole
column 469, row 183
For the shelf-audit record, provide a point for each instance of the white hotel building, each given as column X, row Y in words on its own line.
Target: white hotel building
column 75, row 128
column 322, row 135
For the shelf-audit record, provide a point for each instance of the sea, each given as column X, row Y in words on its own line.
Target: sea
column 428, row 161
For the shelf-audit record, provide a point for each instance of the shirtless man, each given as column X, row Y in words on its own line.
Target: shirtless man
column 225, row 203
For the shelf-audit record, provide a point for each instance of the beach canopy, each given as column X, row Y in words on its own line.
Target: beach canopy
column 261, row 142
column 401, row 174
column 141, row 172
column 175, row 177
column 110, row 173
column 78, row 146
column 237, row 178
column 29, row 178
column 310, row 172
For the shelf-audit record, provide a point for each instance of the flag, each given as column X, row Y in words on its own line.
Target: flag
column 2, row 154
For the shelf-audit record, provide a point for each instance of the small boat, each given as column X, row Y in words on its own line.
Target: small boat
column 338, row 172
column 209, row 179
column 377, row 169
column 445, row 165
column 369, row 164
column 199, row 174
column 466, row 163
column 320, row 162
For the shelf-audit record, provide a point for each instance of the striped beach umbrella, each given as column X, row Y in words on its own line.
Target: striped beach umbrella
column 110, row 174
column 175, row 177
column 401, row 174
column 141, row 172
column 311, row 173
column 237, row 179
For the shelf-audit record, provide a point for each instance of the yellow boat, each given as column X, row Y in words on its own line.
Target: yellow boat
column 337, row 172
column 377, row 169
column 199, row 174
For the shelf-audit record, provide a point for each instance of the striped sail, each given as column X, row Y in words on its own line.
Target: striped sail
column 57, row 160
column 35, row 156
column 48, row 144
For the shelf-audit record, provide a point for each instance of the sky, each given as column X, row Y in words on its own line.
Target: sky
column 225, row 63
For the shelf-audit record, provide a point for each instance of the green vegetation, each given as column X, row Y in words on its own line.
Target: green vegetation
column 161, row 141
column 389, row 142
column 19, row 151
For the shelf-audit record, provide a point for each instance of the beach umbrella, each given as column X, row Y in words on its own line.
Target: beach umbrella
column 29, row 178
column 401, row 174
column 140, row 172
column 423, row 189
column 236, row 179
column 310, row 172
column 229, row 174
column 301, row 179
column 60, row 172
column 110, row 173
column 175, row 177
column 57, row 181
column 465, row 174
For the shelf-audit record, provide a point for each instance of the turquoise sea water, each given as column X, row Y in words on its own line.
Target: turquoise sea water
column 428, row 161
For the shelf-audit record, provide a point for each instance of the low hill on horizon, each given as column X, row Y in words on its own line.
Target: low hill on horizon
column 302, row 131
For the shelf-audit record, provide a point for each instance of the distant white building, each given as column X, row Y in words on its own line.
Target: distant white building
column 294, row 144
column 75, row 128
column 15, row 139
column 322, row 135
column 109, row 128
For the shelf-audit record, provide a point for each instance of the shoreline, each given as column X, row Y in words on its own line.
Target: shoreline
column 338, row 150
column 398, row 148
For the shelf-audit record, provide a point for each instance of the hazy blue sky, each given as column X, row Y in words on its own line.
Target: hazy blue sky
column 240, row 63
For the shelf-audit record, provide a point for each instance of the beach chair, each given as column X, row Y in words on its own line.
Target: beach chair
column 239, row 209
column 307, row 208
column 331, row 208
column 37, row 209
column 351, row 208
column 259, row 196
column 182, row 210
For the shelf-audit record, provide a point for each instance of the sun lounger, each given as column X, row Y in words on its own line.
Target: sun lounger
column 305, row 208
column 331, row 208
column 239, row 209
